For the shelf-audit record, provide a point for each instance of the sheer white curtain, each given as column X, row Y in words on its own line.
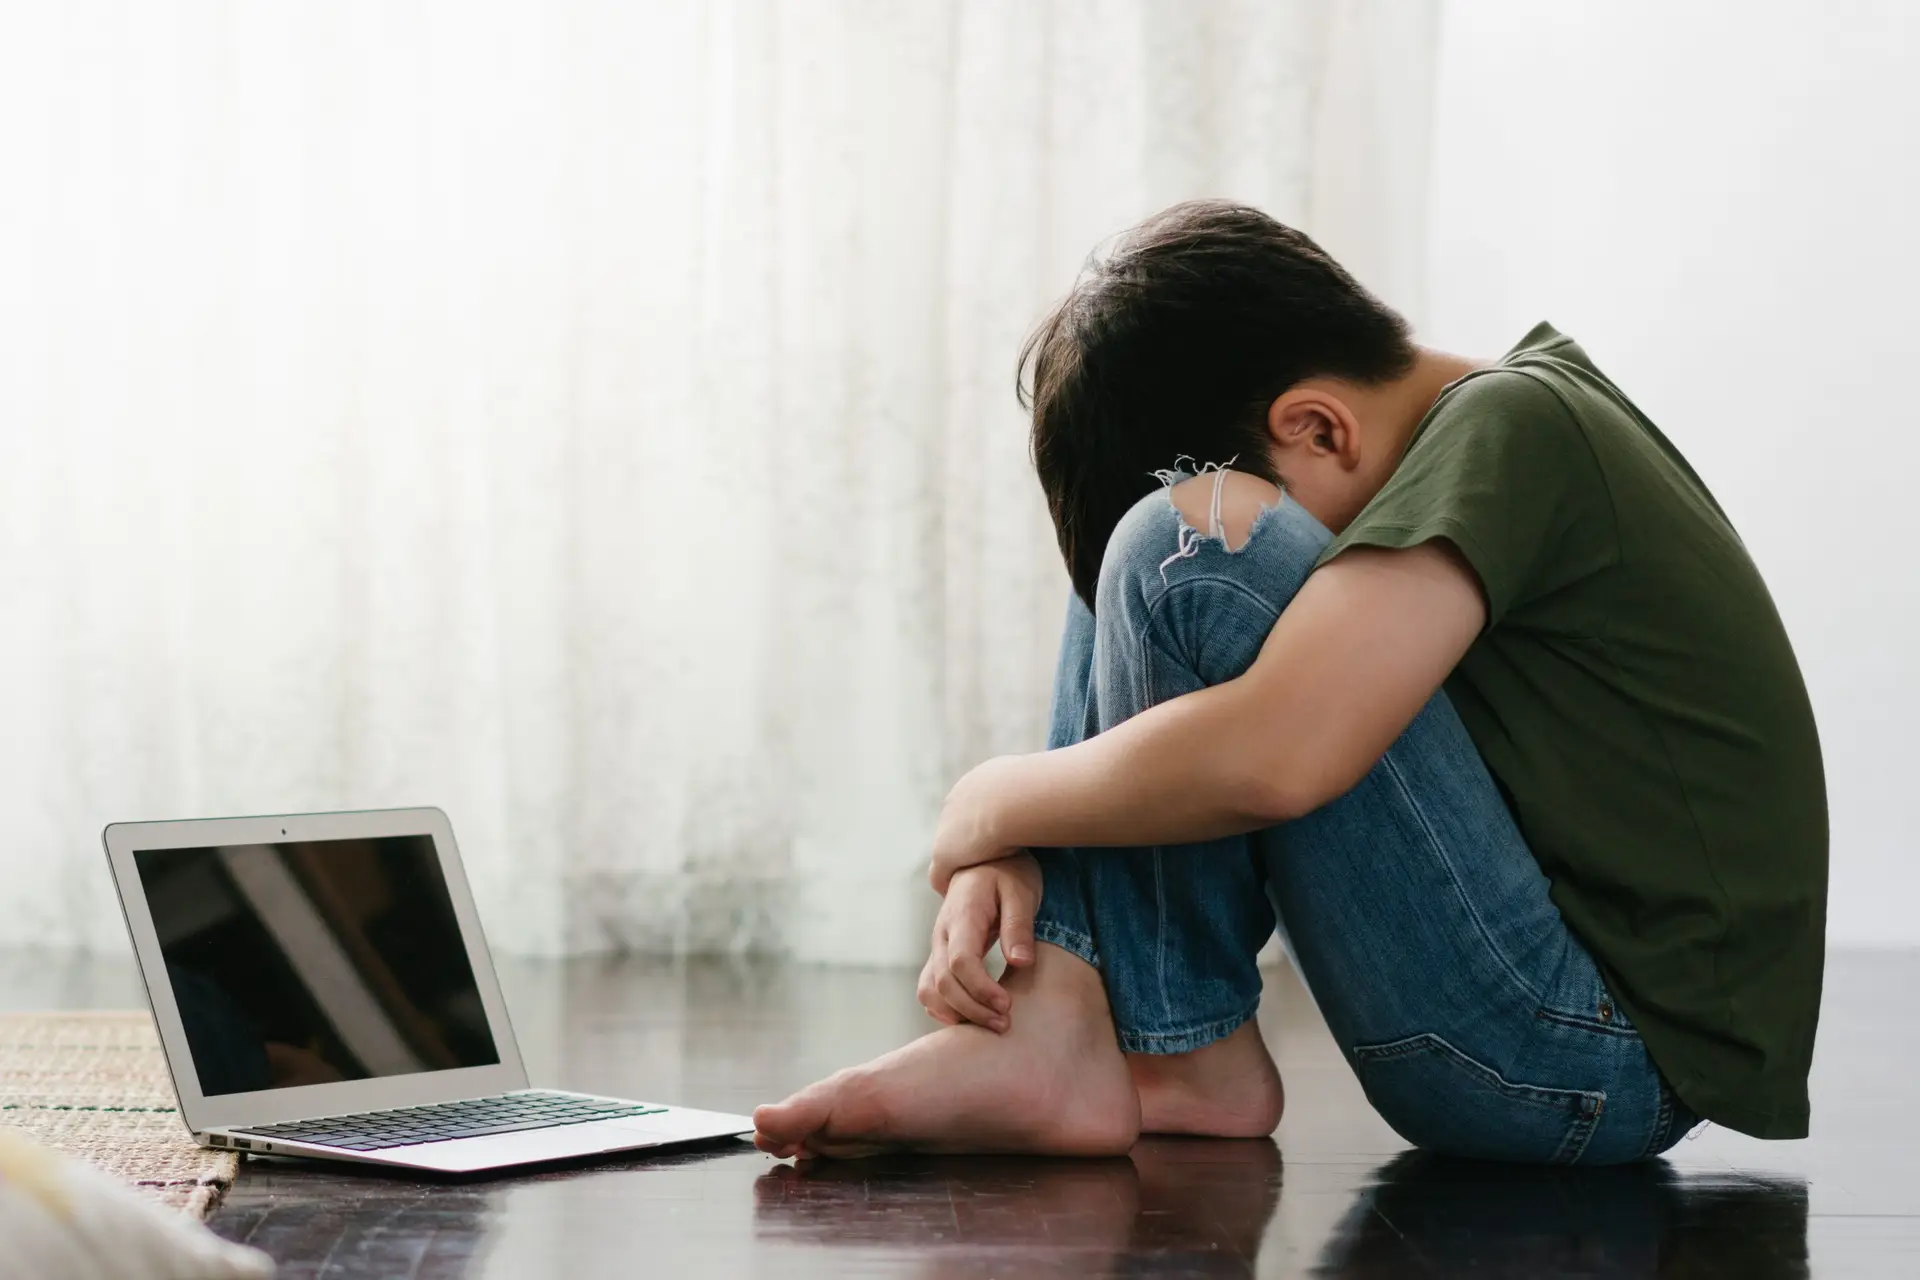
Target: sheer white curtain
column 595, row 419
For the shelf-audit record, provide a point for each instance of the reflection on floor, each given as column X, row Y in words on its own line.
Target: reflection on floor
column 1335, row 1194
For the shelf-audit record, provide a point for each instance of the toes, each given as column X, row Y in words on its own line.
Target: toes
column 780, row 1125
column 838, row 1118
column 778, row 1148
column 780, row 1129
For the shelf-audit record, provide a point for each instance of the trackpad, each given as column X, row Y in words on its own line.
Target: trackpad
column 531, row 1145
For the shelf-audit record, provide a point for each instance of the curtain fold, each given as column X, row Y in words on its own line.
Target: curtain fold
column 594, row 419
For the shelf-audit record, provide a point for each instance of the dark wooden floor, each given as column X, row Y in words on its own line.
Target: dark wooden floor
column 1334, row 1194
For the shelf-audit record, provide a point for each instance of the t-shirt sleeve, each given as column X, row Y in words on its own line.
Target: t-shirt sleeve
column 1504, row 473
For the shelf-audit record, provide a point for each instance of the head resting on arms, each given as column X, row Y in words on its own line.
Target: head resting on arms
column 1213, row 332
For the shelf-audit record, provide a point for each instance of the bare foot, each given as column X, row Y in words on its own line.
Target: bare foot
column 1230, row 1089
column 1055, row 1083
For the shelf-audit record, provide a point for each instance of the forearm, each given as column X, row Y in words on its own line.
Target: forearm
column 1351, row 661
column 1191, row 769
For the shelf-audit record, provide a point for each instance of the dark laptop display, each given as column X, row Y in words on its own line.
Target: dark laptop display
column 314, row 961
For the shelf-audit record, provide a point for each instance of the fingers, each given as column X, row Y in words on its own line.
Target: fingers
column 964, row 1003
column 970, row 977
column 933, row 1002
column 937, row 1008
column 928, row 993
column 983, row 906
column 1016, row 930
column 964, row 984
column 1021, row 887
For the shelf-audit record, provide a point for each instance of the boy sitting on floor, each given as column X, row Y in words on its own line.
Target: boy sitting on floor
column 1452, row 668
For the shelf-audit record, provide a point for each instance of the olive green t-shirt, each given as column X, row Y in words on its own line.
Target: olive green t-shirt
column 1635, row 697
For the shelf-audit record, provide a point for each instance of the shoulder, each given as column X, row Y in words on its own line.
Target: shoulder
column 1512, row 394
column 1504, row 416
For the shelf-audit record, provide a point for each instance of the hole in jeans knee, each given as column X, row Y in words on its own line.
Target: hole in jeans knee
column 1221, row 503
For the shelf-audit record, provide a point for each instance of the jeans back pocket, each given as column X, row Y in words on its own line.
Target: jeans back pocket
column 1440, row 1099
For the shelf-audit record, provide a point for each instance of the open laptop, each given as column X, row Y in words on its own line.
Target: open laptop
column 322, row 988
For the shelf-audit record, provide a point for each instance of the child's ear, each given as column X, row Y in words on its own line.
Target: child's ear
column 1325, row 433
column 1309, row 418
column 1295, row 421
column 1337, row 432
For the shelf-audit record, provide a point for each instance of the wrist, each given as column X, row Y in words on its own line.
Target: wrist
column 973, row 826
column 992, row 808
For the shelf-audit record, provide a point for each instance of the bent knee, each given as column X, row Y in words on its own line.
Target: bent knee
column 1224, row 504
column 1259, row 539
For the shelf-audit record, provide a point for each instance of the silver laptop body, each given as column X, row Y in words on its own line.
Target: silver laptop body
column 322, row 988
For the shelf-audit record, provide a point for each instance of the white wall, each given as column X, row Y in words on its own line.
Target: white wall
column 1719, row 201
column 596, row 419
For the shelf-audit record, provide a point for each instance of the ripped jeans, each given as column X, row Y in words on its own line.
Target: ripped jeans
column 1413, row 910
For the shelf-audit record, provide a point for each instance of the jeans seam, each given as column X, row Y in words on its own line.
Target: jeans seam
column 1623, row 1032
column 1071, row 940
column 1144, row 646
column 1549, row 1096
column 1580, row 1134
column 1217, row 579
column 1150, row 697
column 1453, row 877
column 1573, row 1144
column 1160, row 936
column 1187, row 1039
column 1662, row 1123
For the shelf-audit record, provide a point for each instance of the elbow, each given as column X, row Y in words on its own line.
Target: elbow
column 1270, row 797
column 1280, row 793
column 1277, row 777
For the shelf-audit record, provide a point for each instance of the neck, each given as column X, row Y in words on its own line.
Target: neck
column 1405, row 401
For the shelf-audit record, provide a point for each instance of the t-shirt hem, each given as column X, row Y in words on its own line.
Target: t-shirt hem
column 1766, row 1125
column 1396, row 537
column 1401, row 537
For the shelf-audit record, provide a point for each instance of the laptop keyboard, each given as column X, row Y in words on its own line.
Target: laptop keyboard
column 445, row 1121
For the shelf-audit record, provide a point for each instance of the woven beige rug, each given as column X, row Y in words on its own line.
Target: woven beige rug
column 95, row 1085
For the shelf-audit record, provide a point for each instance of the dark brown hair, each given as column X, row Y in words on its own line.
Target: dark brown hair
column 1174, row 341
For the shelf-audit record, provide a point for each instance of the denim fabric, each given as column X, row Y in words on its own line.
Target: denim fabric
column 1412, row 908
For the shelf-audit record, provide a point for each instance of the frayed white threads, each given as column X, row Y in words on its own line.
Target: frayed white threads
column 1187, row 541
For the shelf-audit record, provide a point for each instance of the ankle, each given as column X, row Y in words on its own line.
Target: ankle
column 1229, row 1089
column 1086, row 1088
column 1175, row 1105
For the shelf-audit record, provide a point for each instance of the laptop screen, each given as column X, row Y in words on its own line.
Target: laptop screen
column 315, row 961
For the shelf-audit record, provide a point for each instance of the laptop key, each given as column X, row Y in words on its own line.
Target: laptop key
column 449, row 1121
column 505, row 1126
